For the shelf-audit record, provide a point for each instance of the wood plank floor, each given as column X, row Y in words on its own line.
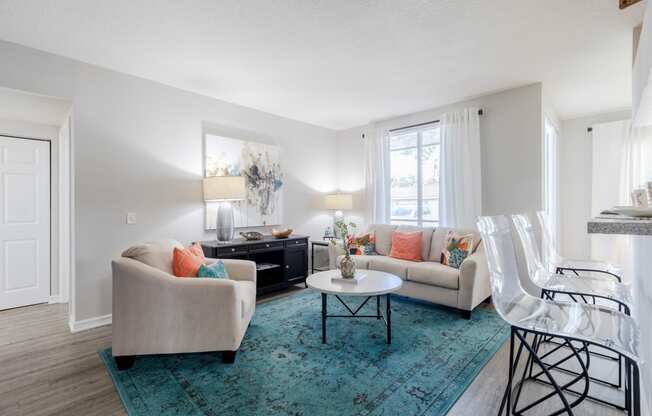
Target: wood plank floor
column 46, row 370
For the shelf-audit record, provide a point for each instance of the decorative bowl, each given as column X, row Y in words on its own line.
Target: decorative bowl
column 282, row 233
column 251, row 235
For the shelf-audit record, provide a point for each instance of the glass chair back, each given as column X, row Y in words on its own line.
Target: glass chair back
column 528, row 237
column 550, row 254
column 506, row 290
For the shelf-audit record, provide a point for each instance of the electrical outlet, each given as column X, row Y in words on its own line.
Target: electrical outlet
column 131, row 218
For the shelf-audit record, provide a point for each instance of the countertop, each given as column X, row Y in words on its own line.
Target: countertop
column 620, row 224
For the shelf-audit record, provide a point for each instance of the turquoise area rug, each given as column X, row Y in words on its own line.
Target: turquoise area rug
column 282, row 367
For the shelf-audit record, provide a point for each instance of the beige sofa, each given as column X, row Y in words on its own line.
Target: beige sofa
column 155, row 312
column 429, row 280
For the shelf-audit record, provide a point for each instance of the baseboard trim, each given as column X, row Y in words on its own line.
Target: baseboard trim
column 57, row 299
column 90, row 323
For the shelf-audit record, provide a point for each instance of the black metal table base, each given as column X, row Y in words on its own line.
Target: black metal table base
column 386, row 318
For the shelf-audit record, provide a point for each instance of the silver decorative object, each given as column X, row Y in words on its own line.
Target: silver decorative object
column 251, row 235
column 225, row 228
column 347, row 267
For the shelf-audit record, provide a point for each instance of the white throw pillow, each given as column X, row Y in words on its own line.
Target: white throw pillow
column 157, row 254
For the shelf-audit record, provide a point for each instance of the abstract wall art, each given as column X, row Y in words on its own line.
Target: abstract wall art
column 259, row 163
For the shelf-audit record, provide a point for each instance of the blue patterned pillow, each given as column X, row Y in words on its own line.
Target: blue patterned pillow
column 215, row 270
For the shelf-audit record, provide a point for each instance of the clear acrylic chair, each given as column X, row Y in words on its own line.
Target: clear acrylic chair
column 532, row 319
column 562, row 265
column 573, row 288
column 577, row 287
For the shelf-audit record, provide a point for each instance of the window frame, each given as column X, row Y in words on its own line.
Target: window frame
column 419, row 221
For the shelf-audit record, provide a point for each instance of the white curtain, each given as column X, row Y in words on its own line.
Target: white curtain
column 636, row 160
column 622, row 161
column 607, row 144
column 376, row 150
column 551, row 183
column 460, row 186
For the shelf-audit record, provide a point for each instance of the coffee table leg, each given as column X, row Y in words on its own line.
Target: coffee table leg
column 324, row 311
column 378, row 307
column 389, row 320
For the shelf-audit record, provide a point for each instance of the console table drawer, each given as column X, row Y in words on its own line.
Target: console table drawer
column 297, row 243
column 265, row 246
column 223, row 251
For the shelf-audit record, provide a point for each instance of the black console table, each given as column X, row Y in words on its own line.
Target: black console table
column 279, row 262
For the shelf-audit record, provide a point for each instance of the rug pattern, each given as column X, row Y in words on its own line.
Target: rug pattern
column 282, row 367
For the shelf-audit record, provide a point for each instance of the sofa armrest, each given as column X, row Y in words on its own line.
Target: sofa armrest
column 155, row 312
column 334, row 251
column 475, row 286
column 239, row 270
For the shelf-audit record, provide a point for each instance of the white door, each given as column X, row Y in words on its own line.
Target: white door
column 24, row 222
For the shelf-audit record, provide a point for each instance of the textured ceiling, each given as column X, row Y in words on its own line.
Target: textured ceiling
column 342, row 63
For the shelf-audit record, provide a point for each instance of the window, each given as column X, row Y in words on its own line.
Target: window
column 414, row 176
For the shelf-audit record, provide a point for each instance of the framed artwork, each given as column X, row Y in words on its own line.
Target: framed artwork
column 260, row 165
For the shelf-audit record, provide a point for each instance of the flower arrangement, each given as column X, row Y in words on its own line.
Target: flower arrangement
column 347, row 265
column 344, row 231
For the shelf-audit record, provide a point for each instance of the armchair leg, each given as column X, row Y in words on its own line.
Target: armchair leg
column 466, row 314
column 124, row 362
column 228, row 357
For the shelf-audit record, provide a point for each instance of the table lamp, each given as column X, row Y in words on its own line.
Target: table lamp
column 224, row 189
column 339, row 202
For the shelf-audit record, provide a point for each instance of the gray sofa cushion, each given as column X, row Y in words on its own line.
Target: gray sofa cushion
column 383, row 235
column 434, row 274
column 426, row 239
column 157, row 254
column 396, row 267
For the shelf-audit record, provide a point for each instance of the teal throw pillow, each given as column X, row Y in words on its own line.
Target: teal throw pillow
column 215, row 270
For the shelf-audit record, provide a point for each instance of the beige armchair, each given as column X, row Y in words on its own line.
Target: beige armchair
column 155, row 312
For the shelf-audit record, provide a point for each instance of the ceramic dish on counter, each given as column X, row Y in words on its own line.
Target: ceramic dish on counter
column 639, row 212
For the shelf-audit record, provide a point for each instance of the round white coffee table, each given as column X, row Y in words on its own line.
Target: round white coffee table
column 375, row 284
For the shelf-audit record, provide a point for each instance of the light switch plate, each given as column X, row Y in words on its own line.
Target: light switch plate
column 131, row 218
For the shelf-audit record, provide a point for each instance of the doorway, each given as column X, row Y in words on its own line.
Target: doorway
column 24, row 222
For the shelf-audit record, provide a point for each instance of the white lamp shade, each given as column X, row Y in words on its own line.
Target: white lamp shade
column 339, row 202
column 224, row 188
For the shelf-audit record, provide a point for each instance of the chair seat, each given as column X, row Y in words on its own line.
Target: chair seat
column 586, row 285
column 591, row 323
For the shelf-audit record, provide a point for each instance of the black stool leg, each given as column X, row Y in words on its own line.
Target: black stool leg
column 389, row 320
column 324, row 307
column 636, row 390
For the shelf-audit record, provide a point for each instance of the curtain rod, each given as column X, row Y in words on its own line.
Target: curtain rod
column 480, row 112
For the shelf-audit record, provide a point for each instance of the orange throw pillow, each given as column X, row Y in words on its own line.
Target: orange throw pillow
column 197, row 251
column 406, row 246
column 185, row 263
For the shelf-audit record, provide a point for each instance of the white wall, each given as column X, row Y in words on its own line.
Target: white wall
column 511, row 135
column 138, row 148
column 350, row 170
column 575, row 183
